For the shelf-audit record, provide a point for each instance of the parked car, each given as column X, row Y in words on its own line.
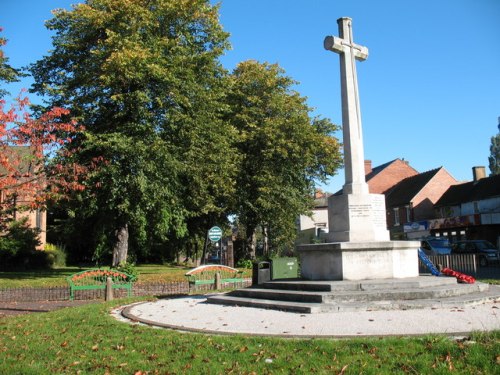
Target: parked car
column 435, row 246
column 486, row 251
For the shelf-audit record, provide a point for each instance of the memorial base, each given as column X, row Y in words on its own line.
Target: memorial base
column 357, row 218
column 359, row 260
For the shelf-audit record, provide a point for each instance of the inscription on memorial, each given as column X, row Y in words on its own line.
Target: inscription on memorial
column 359, row 210
column 378, row 209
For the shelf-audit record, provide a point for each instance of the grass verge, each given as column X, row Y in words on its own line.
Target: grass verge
column 87, row 340
column 148, row 273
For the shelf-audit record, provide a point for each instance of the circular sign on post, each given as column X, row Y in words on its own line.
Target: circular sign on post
column 215, row 234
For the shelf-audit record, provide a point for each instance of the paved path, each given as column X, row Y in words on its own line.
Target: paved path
column 194, row 314
column 17, row 308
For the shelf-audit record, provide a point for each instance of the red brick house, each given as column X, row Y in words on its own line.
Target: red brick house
column 383, row 177
column 410, row 203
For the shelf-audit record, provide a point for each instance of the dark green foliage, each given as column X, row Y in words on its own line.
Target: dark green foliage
column 57, row 254
column 18, row 248
column 130, row 269
column 7, row 73
column 494, row 158
column 283, row 151
column 178, row 143
column 245, row 263
column 143, row 77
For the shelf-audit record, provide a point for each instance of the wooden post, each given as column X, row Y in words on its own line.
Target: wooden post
column 109, row 289
column 230, row 254
column 218, row 284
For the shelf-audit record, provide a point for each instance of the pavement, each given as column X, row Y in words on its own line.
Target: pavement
column 18, row 308
column 193, row 314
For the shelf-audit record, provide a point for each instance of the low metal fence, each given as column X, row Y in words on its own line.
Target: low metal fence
column 465, row 263
column 61, row 293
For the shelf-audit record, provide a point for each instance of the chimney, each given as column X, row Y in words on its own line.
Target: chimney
column 368, row 166
column 478, row 173
column 319, row 194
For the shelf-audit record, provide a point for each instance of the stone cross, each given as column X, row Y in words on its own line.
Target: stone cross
column 355, row 182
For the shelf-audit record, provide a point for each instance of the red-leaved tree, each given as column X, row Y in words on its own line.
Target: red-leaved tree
column 35, row 160
column 36, row 154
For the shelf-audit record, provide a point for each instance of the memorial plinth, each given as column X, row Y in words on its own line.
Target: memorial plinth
column 359, row 246
column 359, row 260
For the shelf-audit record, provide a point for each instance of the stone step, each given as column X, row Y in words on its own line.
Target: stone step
column 337, row 286
column 292, row 306
column 442, row 291
column 359, row 295
column 331, row 296
column 453, row 302
column 280, row 295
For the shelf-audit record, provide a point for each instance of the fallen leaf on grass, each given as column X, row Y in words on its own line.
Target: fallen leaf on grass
column 343, row 370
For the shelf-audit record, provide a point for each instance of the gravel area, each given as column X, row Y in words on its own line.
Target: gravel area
column 194, row 314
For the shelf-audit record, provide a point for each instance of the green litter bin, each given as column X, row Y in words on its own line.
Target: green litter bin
column 284, row 268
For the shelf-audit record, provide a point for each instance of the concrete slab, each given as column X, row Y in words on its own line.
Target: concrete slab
column 193, row 314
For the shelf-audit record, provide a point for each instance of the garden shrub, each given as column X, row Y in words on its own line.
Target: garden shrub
column 244, row 263
column 56, row 254
column 128, row 268
column 18, row 248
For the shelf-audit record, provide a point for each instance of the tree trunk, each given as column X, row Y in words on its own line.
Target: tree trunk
column 204, row 254
column 251, row 242
column 120, row 248
column 265, row 234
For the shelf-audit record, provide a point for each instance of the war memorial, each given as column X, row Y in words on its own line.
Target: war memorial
column 359, row 246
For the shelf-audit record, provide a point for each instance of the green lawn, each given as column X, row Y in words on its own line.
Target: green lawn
column 87, row 340
column 149, row 273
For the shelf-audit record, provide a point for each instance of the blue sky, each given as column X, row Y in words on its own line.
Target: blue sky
column 429, row 90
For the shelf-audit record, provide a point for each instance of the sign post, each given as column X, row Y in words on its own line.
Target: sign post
column 215, row 234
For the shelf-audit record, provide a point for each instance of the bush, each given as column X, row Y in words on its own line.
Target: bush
column 56, row 254
column 128, row 268
column 244, row 263
column 18, row 248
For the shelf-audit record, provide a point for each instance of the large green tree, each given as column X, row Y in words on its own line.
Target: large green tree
column 143, row 77
column 494, row 158
column 7, row 73
column 284, row 151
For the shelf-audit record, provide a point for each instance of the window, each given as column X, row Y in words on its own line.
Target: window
column 39, row 219
column 408, row 214
column 396, row 216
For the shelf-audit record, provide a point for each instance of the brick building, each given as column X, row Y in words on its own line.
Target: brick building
column 383, row 177
column 410, row 203
column 470, row 210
